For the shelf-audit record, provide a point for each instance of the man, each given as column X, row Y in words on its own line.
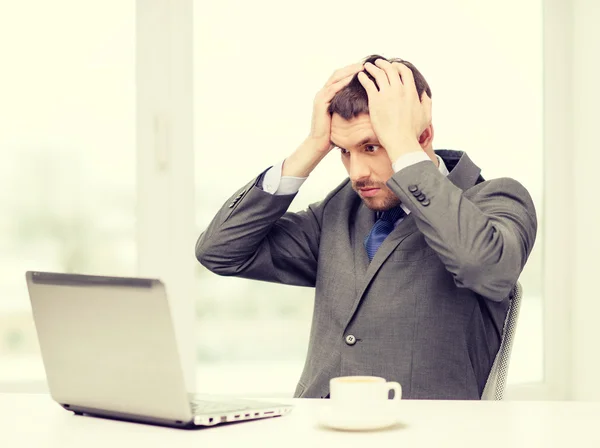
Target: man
column 412, row 257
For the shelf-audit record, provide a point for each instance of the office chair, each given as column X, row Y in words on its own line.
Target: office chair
column 496, row 382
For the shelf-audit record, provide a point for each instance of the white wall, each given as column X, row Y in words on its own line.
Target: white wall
column 571, row 98
column 584, row 194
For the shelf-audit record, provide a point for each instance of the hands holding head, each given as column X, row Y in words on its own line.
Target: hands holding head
column 397, row 114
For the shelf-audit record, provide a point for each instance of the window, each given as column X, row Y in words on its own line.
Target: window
column 67, row 139
column 255, row 79
column 68, row 178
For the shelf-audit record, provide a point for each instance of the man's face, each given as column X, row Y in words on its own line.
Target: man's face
column 367, row 163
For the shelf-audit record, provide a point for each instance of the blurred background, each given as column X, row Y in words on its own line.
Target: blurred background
column 70, row 185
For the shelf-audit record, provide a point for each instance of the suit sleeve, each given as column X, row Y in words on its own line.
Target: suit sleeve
column 483, row 235
column 253, row 236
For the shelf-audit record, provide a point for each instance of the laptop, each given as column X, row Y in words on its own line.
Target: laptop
column 109, row 350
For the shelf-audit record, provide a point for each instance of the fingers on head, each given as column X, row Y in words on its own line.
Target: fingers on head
column 367, row 83
column 391, row 72
column 380, row 73
column 342, row 73
column 406, row 74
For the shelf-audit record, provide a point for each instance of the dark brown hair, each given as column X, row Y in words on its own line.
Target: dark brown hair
column 352, row 100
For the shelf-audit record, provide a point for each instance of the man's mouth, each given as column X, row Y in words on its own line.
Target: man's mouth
column 368, row 192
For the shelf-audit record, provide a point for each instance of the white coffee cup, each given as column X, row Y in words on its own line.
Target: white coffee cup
column 362, row 391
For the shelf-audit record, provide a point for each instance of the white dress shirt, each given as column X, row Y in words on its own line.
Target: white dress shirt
column 275, row 183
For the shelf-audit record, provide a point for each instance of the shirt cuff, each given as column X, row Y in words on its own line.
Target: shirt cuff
column 274, row 183
column 409, row 159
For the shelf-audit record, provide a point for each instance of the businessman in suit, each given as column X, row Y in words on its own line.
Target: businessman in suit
column 412, row 257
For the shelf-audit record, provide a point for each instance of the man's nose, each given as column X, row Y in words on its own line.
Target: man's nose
column 358, row 170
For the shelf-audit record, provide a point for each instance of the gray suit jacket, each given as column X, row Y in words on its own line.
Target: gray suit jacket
column 427, row 311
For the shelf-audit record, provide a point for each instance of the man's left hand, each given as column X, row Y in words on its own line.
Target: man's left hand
column 397, row 115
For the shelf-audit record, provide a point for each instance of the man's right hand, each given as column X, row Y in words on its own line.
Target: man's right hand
column 318, row 143
column 321, row 120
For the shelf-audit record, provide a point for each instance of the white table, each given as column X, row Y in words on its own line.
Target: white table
column 36, row 421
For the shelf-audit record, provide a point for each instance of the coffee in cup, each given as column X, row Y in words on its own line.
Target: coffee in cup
column 362, row 391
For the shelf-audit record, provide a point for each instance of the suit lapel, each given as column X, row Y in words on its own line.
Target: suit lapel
column 365, row 271
column 365, row 218
column 402, row 230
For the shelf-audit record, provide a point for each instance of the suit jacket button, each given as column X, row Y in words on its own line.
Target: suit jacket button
column 421, row 197
column 426, row 202
column 412, row 188
column 350, row 339
column 231, row 205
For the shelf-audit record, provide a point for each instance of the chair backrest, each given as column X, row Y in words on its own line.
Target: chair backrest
column 496, row 382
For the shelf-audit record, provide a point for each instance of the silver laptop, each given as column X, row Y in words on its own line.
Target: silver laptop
column 109, row 350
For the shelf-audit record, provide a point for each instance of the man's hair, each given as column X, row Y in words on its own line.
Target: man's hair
column 352, row 100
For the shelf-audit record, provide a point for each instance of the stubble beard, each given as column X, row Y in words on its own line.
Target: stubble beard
column 390, row 200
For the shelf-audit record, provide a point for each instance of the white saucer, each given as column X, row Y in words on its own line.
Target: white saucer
column 358, row 420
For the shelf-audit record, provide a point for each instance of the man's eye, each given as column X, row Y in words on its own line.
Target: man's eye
column 344, row 151
column 371, row 148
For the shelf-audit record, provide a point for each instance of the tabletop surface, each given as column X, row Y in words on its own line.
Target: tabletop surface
column 34, row 420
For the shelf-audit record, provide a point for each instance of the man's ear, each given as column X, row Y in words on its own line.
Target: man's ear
column 426, row 138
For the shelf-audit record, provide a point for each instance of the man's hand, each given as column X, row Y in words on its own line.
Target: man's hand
column 397, row 115
column 320, row 131
column 318, row 144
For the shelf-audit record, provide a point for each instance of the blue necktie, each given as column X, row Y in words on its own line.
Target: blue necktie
column 381, row 229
